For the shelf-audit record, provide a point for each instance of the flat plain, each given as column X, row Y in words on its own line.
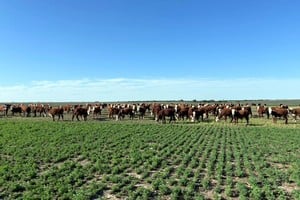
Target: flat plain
column 143, row 159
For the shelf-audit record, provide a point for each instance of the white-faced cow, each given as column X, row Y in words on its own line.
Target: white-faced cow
column 277, row 112
column 225, row 112
column 81, row 112
column 57, row 111
column 240, row 114
column 295, row 112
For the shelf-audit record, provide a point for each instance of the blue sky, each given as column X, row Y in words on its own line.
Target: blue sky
column 114, row 50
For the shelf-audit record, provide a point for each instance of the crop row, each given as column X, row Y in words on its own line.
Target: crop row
column 41, row 159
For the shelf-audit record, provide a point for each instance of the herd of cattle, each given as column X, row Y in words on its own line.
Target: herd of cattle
column 159, row 112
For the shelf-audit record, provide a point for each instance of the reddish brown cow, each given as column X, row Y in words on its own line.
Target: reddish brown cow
column 261, row 110
column 295, row 112
column 155, row 110
column 38, row 108
column 240, row 114
column 225, row 112
column 4, row 108
column 56, row 112
column 68, row 108
column 210, row 109
column 279, row 112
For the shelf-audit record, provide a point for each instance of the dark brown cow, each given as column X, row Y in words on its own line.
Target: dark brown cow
column 96, row 109
column 295, row 112
column 26, row 110
column 56, row 112
column 195, row 113
column 279, row 112
column 82, row 112
column 113, row 111
column 166, row 112
column 240, row 114
column 182, row 111
column 126, row 111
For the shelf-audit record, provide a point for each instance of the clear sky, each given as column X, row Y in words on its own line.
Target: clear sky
column 114, row 50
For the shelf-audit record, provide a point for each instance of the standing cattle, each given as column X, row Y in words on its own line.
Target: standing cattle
column 126, row 111
column 38, row 108
column 225, row 112
column 56, row 112
column 195, row 113
column 276, row 112
column 261, row 110
column 26, row 110
column 166, row 112
column 295, row 112
column 240, row 114
column 4, row 108
column 81, row 112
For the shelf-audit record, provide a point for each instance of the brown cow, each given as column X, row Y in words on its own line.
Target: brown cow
column 113, row 111
column 240, row 114
column 295, row 112
column 225, row 112
column 210, row 109
column 182, row 111
column 4, row 108
column 126, row 111
column 82, row 112
column 166, row 112
column 38, row 108
column 195, row 113
column 26, row 110
column 59, row 111
column 279, row 112
column 261, row 110
column 155, row 110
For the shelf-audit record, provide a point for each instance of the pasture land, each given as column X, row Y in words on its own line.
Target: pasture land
column 41, row 159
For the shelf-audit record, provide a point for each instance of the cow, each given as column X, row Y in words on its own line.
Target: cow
column 16, row 109
column 195, row 113
column 96, row 109
column 82, row 112
column 210, row 109
column 38, row 108
column 240, row 114
column 276, row 112
column 295, row 112
column 225, row 112
column 155, row 110
column 126, row 111
column 68, row 108
column 4, row 108
column 261, row 110
column 113, row 111
column 182, row 111
column 166, row 112
column 56, row 111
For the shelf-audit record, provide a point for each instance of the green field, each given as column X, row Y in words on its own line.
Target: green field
column 41, row 159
